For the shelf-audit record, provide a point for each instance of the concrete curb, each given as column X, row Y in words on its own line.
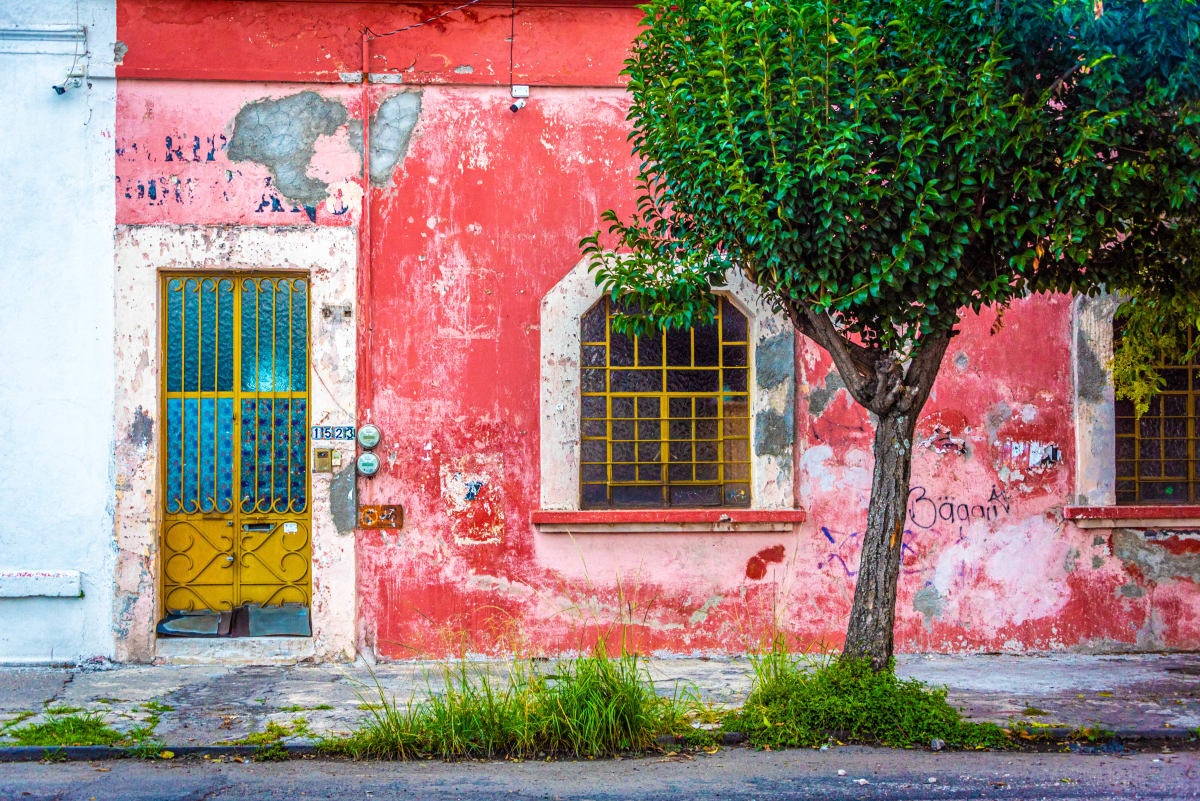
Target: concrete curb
column 91, row 753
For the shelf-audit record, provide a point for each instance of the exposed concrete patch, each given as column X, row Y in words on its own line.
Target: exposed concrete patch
column 141, row 429
column 343, row 503
column 281, row 135
column 1131, row 591
column 119, row 51
column 1154, row 561
column 391, row 129
column 929, row 603
column 961, row 360
column 818, row 399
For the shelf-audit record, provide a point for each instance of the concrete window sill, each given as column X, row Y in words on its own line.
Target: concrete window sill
column 1161, row 516
column 665, row 521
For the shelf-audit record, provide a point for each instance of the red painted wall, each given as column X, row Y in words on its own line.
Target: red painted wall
column 479, row 220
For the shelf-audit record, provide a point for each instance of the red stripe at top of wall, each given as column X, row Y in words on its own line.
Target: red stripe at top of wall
column 553, row 44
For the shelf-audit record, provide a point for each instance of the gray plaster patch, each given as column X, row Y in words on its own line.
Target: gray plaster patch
column 995, row 417
column 961, row 360
column 141, row 430
column 929, row 602
column 343, row 500
column 1071, row 560
column 391, row 129
column 281, row 134
column 1154, row 561
column 774, row 432
column 1131, row 590
column 119, row 51
column 774, row 360
column 818, row 399
column 1092, row 376
column 464, row 69
column 1097, row 563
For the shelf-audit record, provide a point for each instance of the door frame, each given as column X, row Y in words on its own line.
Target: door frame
column 237, row 517
column 327, row 256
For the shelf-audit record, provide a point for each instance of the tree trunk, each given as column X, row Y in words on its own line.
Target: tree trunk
column 872, row 618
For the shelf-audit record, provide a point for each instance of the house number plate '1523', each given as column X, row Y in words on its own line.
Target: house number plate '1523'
column 383, row 516
column 332, row 432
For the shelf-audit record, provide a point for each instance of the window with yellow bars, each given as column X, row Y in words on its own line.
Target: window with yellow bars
column 1157, row 458
column 665, row 418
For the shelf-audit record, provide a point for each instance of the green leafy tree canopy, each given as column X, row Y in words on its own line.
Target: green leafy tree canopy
column 877, row 167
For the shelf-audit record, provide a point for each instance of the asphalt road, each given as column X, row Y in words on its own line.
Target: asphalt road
column 737, row 774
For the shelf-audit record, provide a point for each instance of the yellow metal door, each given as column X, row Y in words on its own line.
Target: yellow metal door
column 236, row 521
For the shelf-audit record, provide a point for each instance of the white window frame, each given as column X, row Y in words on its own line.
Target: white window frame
column 772, row 404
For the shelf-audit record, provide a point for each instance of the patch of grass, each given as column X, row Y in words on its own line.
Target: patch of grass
column 298, row 708
column 63, row 710
column 370, row 707
column 275, row 732
column 108, row 701
column 590, row 707
column 800, row 701
column 21, row 717
column 155, row 706
column 1033, row 712
column 75, row 729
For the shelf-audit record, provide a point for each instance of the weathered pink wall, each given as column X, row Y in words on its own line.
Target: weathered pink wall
column 477, row 221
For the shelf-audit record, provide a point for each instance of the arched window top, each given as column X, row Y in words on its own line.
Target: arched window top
column 665, row 417
column 575, row 335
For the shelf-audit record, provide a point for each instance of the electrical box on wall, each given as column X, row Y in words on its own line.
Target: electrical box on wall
column 322, row 461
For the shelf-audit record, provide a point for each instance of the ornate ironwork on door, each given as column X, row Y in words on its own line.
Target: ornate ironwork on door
column 237, row 524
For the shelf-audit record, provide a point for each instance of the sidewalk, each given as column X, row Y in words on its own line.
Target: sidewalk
column 1147, row 696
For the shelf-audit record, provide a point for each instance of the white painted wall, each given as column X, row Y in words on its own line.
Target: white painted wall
column 56, row 331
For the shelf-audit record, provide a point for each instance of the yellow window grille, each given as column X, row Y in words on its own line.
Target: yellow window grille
column 665, row 418
column 1157, row 455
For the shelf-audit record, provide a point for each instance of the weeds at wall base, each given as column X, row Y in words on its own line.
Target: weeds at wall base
column 596, row 706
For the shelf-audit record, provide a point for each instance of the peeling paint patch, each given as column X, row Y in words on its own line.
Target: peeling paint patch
column 928, row 602
column 391, row 129
column 464, row 69
column 141, row 430
column 343, row 501
column 773, row 360
column 818, row 399
column 773, row 432
column 1071, row 561
column 281, row 135
column 1131, row 590
column 119, row 51
column 474, row 502
column 1154, row 560
column 701, row 614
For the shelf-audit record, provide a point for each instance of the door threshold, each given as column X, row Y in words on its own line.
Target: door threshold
column 234, row 650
